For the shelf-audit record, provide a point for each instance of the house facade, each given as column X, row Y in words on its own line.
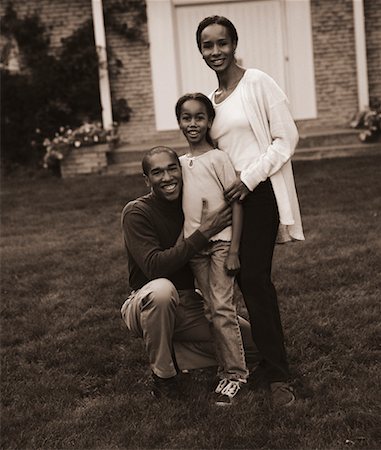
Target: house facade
column 325, row 54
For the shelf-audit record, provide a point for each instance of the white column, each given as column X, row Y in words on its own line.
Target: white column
column 361, row 61
column 104, row 83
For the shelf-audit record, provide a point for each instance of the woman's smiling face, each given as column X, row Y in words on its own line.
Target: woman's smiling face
column 217, row 47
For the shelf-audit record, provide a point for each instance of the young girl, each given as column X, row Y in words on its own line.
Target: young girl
column 207, row 172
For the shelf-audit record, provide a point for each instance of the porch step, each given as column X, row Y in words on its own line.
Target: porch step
column 327, row 138
column 312, row 145
column 129, row 153
column 336, row 151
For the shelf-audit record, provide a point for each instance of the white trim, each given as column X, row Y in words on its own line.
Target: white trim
column 286, row 51
column 361, row 61
column 161, row 31
column 200, row 2
column 300, row 70
column 104, row 83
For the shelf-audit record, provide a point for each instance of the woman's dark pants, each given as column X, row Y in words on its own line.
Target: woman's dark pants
column 260, row 227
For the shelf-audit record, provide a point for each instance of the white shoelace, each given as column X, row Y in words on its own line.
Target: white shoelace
column 228, row 387
column 223, row 383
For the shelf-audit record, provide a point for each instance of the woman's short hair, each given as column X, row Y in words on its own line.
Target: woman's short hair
column 219, row 20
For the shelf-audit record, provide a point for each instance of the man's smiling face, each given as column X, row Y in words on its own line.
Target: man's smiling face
column 164, row 176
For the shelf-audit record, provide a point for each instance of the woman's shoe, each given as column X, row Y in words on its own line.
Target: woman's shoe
column 282, row 394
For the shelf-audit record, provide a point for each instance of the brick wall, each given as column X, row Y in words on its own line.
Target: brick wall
column 334, row 59
column 134, row 83
column 61, row 18
column 372, row 9
column 335, row 63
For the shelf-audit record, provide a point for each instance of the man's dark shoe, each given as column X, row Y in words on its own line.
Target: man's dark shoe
column 165, row 387
column 282, row 394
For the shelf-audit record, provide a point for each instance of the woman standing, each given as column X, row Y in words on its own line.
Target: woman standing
column 254, row 126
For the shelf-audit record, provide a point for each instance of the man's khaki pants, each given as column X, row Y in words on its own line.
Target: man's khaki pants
column 174, row 328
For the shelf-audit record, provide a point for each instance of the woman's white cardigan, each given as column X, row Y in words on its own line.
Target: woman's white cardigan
column 266, row 107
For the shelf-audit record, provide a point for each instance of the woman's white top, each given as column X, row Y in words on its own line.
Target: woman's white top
column 205, row 177
column 268, row 153
column 235, row 135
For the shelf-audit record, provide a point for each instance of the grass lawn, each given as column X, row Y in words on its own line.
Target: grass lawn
column 73, row 378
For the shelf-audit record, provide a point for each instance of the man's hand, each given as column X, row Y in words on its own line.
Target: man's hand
column 236, row 191
column 214, row 222
column 232, row 264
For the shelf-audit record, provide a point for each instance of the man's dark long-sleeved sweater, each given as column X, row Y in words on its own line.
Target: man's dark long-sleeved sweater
column 151, row 227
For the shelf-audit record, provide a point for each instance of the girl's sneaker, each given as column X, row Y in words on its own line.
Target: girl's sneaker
column 227, row 391
column 221, row 385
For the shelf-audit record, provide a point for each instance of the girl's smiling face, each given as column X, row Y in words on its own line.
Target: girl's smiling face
column 217, row 47
column 194, row 122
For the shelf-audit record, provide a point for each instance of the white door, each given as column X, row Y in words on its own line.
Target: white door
column 274, row 36
column 260, row 45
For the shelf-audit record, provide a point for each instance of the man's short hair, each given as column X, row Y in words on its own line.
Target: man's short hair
column 156, row 151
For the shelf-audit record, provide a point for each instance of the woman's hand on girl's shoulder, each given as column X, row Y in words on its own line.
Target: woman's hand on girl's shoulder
column 237, row 191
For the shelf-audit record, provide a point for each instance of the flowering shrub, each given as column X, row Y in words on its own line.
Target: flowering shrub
column 66, row 139
column 370, row 120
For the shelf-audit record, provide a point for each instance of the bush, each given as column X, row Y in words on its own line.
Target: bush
column 50, row 91
column 18, row 119
column 369, row 121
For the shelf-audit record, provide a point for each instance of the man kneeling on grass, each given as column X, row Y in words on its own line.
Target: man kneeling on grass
column 163, row 307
